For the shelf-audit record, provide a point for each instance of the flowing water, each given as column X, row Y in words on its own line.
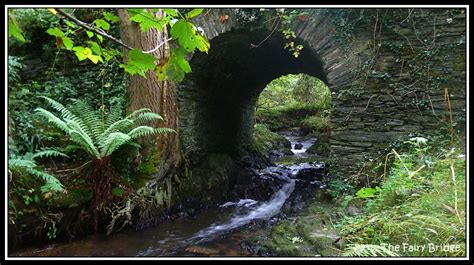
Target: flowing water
column 212, row 232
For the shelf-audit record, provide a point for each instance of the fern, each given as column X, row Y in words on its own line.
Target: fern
column 26, row 165
column 48, row 153
column 101, row 136
column 147, row 117
column 367, row 250
column 113, row 142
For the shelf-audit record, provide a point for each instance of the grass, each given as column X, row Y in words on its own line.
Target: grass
column 420, row 209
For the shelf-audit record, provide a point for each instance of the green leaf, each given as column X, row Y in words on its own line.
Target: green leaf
column 146, row 20
column 171, row 12
column 14, row 31
column 184, row 32
column 194, row 12
column 68, row 43
column 367, row 192
column 55, row 32
column 86, row 53
column 202, row 44
column 178, row 57
column 139, row 62
column 176, row 67
column 99, row 37
column 90, row 34
column 111, row 17
column 70, row 24
column 102, row 24
column 95, row 47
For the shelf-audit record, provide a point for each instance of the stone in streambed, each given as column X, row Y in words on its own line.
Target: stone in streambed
column 202, row 251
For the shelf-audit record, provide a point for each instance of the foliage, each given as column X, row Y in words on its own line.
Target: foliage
column 14, row 68
column 367, row 250
column 286, row 18
column 266, row 140
column 295, row 101
column 422, row 202
column 14, row 29
column 185, row 35
column 99, row 135
column 19, row 166
column 367, row 192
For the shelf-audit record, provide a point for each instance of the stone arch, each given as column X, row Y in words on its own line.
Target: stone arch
column 217, row 100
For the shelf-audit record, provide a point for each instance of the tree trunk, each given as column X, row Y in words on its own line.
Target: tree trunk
column 159, row 96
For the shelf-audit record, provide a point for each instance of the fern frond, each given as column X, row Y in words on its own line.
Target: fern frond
column 137, row 112
column 164, row 130
column 80, row 137
column 144, row 118
column 63, row 111
column 91, row 119
column 142, row 131
column 51, row 182
column 19, row 164
column 118, row 126
column 53, row 119
column 114, row 115
column 22, row 166
column 48, row 153
column 367, row 250
column 113, row 142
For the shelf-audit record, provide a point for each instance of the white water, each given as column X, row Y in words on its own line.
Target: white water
column 252, row 210
column 298, row 139
column 263, row 211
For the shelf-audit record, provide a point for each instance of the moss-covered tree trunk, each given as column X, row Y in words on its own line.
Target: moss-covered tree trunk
column 159, row 96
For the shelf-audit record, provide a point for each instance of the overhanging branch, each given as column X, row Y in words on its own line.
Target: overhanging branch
column 93, row 29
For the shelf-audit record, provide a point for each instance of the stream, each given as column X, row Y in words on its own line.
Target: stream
column 211, row 232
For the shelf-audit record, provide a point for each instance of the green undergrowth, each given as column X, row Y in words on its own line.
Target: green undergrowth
column 308, row 234
column 419, row 207
column 266, row 140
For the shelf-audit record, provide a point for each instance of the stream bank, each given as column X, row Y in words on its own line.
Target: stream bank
column 269, row 225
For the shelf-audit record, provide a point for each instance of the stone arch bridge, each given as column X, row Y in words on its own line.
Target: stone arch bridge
column 388, row 70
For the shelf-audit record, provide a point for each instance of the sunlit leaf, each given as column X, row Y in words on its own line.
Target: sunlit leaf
column 14, row 31
column 146, row 20
column 95, row 47
column 111, row 17
column 68, row 43
column 176, row 67
column 83, row 53
column 171, row 12
column 90, row 34
column 139, row 62
column 102, row 24
column 184, row 32
column 194, row 12
column 52, row 10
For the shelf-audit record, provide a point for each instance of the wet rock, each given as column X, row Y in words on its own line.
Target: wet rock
column 261, row 185
column 311, row 174
column 298, row 146
column 202, row 251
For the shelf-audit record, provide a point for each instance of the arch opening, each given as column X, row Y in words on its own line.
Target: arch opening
column 218, row 99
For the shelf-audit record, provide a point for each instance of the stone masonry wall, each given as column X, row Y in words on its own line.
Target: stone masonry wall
column 388, row 70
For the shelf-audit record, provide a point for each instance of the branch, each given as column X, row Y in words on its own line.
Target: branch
column 158, row 46
column 256, row 46
column 95, row 30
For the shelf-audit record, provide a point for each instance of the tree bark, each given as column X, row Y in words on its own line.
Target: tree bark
column 159, row 96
